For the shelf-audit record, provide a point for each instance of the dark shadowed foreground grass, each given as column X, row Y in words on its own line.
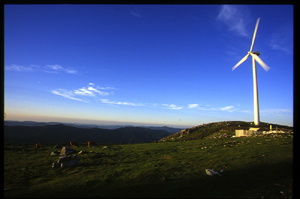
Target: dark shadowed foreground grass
column 252, row 167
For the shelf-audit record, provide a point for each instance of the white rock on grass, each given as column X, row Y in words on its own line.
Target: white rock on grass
column 211, row 172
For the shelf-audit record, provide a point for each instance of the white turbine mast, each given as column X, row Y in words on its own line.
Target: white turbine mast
column 255, row 87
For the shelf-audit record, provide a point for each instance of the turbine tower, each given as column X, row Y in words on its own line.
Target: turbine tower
column 255, row 86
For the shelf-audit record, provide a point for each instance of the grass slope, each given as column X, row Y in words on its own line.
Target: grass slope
column 253, row 167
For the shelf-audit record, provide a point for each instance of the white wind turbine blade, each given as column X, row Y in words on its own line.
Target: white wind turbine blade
column 260, row 62
column 254, row 34
column 240, row 62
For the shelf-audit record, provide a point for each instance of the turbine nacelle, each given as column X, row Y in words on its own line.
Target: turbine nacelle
column 256, row 53
column 253, row 54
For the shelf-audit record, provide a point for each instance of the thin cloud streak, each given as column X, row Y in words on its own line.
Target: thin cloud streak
column 234, row 19
column 94, row 91
column 19, row 68
column 97, row 91
column 66, row 94
column 48, row 68
column 172, row 106
column 87, row 92
column 57, row 67
column 84, row 91
column 227, row 108
column 208, row 108
column 282, row 39
column 135, row 14
column 106, row 101
column 54, row 67
column 193, row 105
column 275, row 111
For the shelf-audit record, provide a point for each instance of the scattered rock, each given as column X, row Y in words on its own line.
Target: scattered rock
column 63, row 161
column 211, row 172
column 67, row 150
column 53, row 153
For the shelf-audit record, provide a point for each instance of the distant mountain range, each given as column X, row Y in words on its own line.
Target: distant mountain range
column 56, row 133
column 89, row 126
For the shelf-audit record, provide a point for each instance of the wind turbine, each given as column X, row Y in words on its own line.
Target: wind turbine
column 255, row 87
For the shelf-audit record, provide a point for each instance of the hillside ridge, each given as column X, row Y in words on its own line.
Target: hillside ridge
column 88, row 126
column 219, row 130
column 61, row 133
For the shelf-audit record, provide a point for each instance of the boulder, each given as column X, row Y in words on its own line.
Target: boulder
column 82, row 152
column 66, row 150
column 211, row 172
column 53, row 153
column 63, row 161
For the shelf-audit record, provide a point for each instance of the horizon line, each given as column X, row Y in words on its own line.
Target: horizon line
column 135, row 124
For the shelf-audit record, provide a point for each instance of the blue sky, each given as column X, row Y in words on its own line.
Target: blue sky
column 151, row 64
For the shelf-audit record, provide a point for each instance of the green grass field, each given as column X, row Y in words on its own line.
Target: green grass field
column 253, row 167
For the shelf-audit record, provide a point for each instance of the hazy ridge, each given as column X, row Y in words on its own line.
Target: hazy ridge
column 89, row 126
column 53, row 132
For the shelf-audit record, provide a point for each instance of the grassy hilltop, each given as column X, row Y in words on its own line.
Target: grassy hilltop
column 220, row 130
column 252, row 167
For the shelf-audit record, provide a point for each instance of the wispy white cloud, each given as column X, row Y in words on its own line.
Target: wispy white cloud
column 172, row 106
column 56, row 67
column 66, row 94
column 84, row 91
column 97, row 91
column 20, row 68
column 270, row 111
column 70, row 71
column 135, row 14
column 48, row 68
column 106, row 101
column 209, row 108
column 235, row 18
column 282, row 39
column 101, row 88
column 107, row 88
column 226, row 108
column 193, row 105
column 76, row 94
column 244, row 111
